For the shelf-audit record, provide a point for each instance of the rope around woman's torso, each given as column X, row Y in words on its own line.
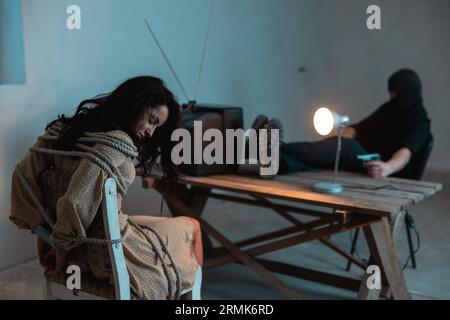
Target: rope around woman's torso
column 107, row 165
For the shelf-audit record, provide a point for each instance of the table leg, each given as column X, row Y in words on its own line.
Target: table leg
column 383, row 253
column 364, row 292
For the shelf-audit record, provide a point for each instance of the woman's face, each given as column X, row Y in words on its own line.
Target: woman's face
column 155, row 118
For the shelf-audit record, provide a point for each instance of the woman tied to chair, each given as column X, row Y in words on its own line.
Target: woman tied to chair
column 135, row 120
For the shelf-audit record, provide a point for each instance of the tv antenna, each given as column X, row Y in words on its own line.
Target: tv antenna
column 191, row 102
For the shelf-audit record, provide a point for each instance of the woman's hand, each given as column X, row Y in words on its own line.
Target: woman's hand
column 43, row 249
column 53, row 261
column 379, row 169
column 56, row 261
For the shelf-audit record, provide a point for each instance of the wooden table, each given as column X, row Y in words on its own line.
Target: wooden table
column 376, row 206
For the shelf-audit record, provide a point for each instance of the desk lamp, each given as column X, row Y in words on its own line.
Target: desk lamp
column 325, row 121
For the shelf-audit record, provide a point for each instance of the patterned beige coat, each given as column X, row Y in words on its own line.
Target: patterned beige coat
column 72, row 189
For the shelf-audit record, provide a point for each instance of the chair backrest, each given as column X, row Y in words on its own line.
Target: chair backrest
column 418, row 163
column 112, row 231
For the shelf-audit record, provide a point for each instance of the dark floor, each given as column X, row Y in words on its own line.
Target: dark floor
column 429, row 281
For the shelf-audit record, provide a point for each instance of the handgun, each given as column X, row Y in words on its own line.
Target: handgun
column 365, row 158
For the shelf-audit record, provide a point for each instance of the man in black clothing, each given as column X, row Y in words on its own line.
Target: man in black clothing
column 398, row 130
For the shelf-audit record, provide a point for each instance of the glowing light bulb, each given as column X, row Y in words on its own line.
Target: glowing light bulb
column 324, row 121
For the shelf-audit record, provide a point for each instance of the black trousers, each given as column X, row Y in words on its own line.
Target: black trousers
column 304, row 156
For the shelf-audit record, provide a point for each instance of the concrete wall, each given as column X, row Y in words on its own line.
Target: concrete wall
column 12, row 66
column 255, row 50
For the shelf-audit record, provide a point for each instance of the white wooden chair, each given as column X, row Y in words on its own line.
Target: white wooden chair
column 57, row 290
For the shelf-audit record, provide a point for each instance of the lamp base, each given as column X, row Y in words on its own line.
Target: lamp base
column 327, row 187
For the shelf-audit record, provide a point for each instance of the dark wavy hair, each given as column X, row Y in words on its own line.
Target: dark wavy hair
column 123, row 109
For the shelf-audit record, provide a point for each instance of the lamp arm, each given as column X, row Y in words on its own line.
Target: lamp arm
column 338, row 154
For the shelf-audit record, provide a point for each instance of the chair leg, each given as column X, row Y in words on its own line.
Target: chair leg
column 196, row 289
column 46, row 289
column 410, row 244
column 353, row 248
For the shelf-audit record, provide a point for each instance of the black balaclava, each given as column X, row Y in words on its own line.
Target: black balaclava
column 407, row 87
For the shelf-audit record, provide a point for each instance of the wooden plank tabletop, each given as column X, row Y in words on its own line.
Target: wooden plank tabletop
column 361, row 194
